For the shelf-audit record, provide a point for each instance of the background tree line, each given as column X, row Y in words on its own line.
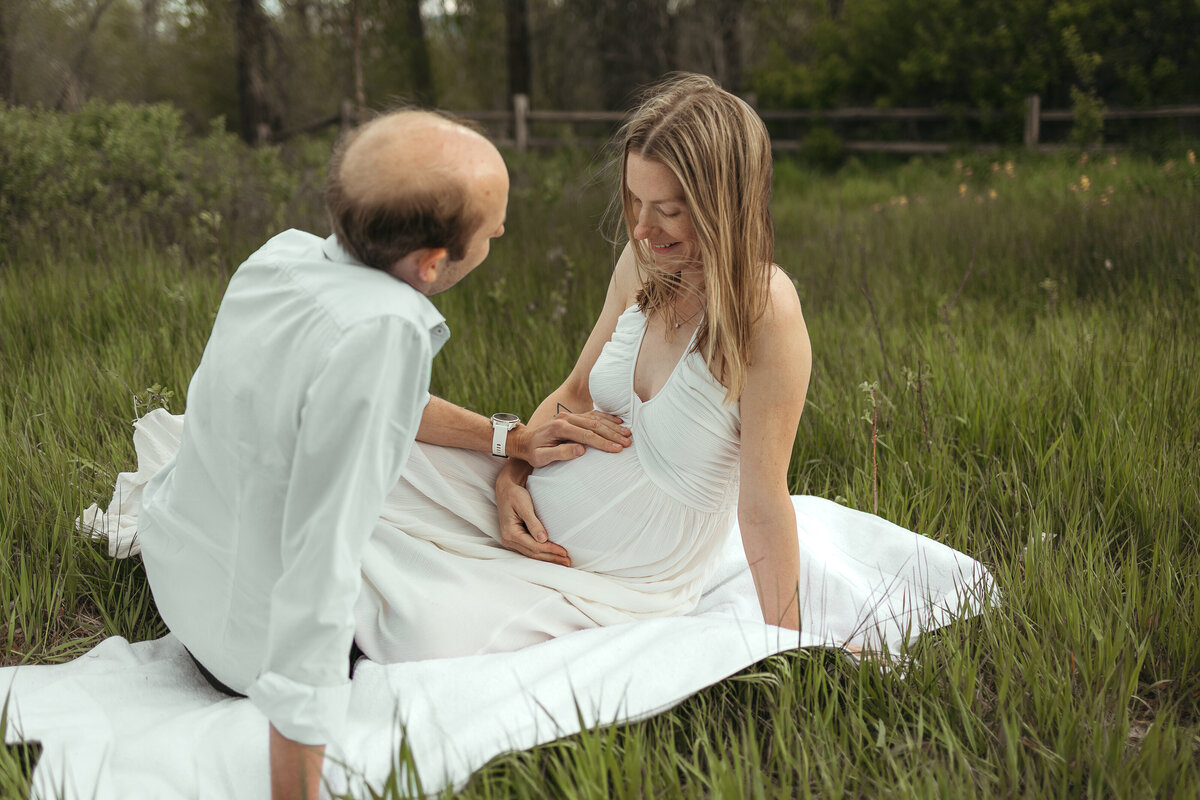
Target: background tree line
column 267, row 66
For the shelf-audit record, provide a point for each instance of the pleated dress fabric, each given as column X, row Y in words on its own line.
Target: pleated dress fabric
column 644, row 527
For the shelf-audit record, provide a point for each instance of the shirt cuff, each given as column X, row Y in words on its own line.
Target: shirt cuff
column 306, row 714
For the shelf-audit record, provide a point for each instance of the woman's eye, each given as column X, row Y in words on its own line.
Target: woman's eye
column 671, row 214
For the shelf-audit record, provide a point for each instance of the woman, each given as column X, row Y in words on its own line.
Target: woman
column 701, row 350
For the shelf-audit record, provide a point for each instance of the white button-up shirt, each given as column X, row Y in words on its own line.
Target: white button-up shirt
column 300, row 418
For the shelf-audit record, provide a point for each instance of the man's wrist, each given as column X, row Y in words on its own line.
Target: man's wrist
column 518, row 442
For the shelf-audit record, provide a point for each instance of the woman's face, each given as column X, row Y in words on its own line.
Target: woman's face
column 662, row 215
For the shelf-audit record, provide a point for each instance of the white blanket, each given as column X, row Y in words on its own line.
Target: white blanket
column 137, row 720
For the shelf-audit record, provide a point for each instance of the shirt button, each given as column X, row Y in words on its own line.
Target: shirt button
column 440, row 330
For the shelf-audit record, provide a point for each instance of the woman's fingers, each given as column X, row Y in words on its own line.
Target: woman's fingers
column 522, row 532
column 546, row 552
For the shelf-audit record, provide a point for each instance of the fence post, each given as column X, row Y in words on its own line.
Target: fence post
column 1033, row 119
column 521, row 121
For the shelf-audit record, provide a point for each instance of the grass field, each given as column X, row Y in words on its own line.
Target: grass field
column 1020, row 337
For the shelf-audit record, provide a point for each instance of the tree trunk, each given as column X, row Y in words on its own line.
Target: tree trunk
column 74, row 82
column 422, row 69
column 253, row 101
column 7, row 94
column 360, row 89
column 520, row 63
column 630, row 55
column 730, row 22
column 151, row 13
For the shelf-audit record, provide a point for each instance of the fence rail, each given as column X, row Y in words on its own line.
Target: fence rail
column 515, row 123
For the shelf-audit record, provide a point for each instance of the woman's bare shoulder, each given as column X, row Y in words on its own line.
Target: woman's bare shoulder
column 626, row 278
column 782, row 311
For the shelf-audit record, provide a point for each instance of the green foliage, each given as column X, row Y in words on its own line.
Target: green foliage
column 823, row 147
column 1089, row 110
column 958, row 54
column 135, row 171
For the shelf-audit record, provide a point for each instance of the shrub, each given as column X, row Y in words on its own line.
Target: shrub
column 120, row 169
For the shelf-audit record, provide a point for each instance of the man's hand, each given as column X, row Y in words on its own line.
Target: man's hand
column 520, row 529
column 564, row 438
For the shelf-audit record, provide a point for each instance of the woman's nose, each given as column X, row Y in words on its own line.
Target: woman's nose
column 642, row 229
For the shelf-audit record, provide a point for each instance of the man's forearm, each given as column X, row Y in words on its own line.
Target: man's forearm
column 539, row 443
column 448, row 425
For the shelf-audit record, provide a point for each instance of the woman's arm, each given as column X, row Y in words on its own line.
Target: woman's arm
column 520, row 529
column 771, row 403
column 574, row 396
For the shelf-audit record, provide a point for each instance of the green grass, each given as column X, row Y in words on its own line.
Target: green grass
column 1033, row 358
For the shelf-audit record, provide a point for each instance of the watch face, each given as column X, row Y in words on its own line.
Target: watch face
column 507, row 419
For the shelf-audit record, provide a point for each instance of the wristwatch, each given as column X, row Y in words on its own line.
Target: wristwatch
column 501, row 425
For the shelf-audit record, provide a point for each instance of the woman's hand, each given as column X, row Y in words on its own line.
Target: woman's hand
column 520, row 529
column 565, row 436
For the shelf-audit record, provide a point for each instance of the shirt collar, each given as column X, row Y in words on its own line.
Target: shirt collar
column 427, row 313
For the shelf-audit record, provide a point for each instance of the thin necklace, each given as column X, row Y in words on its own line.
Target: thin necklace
column 689, row 319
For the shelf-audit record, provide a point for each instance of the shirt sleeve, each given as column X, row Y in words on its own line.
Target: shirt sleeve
column 357, row 425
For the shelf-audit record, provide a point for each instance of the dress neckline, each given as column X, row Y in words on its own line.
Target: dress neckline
column 637, row 356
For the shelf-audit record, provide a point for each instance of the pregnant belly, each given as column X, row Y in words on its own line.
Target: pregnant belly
column 608, row 515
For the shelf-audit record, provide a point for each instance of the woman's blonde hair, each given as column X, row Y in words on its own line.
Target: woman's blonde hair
column 719, row 149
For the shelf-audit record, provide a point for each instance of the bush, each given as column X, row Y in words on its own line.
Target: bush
column 119, row 170
column 823, row 148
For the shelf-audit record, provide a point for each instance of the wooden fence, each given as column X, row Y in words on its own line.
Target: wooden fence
column 517, row 124
column 512, row 127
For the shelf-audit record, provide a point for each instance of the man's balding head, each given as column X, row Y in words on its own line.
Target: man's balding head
column 412, row 180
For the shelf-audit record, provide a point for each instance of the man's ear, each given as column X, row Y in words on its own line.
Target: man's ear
column 429, row 261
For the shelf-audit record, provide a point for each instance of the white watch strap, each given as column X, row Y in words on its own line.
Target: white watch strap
column 499, row 439
column 501, row 425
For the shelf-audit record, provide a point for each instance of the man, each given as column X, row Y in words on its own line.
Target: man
column 301, row 415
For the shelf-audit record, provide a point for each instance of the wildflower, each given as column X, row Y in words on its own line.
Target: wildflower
column 995, row 166
column 968, row 171
column 1112, row 161
column 1083, row 159
column 958, row 165
column 1192, row 158
column 993, row 194
column 1109, row 190
column 1084, row 183
column 1010, row 169
column 903, row 200
column 1108, row 265
column 962, row 190
column 1074, row 188
column 1104, row 200
column 1169, row 166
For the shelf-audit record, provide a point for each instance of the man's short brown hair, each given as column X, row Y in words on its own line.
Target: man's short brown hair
column 431, row 212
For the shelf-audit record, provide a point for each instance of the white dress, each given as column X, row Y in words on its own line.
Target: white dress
column 645, row 529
